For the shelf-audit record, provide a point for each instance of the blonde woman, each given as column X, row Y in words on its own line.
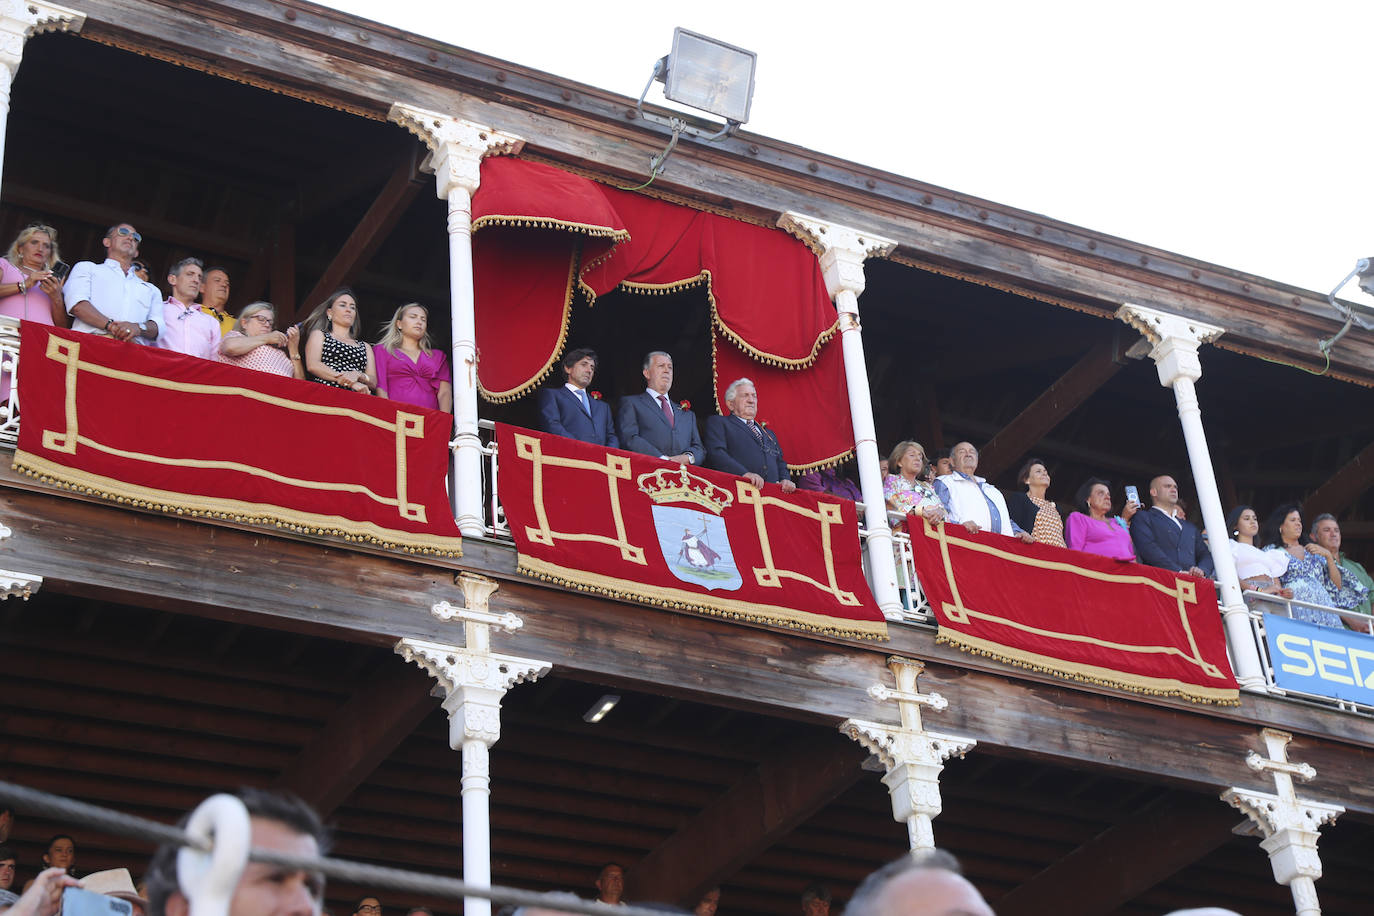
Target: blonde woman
column 409, row 369
column 333, row 353
column 255, row 343
column 29, row 290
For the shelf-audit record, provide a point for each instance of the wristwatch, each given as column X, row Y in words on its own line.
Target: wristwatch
column 143, row 329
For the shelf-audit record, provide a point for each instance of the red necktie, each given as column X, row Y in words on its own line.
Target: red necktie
column 667, row 411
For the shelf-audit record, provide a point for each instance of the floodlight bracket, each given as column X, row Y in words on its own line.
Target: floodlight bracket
column 1364, row 269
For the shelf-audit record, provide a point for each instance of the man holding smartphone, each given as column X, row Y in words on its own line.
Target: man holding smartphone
column 109, row 298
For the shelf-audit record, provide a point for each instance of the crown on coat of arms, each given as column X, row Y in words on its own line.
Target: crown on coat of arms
column 681, row 486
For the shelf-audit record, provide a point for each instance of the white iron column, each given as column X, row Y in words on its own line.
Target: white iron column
column 20, row 20
column 474, row 679
column 912, row 756
column 842, row 253
column 456, row 151
column 1176, row 341
column 1289, row 824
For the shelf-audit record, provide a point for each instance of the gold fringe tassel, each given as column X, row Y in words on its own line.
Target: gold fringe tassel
column 1199, row 695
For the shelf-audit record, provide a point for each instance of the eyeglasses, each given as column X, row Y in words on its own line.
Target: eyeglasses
column 125, row 230
column 260, row 316
column 140, row 266
column 369, row 908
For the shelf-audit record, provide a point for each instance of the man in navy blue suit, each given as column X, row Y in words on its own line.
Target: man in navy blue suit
column 737, row 444
column 1163, row 538
column 570, row 411
column 650, row 423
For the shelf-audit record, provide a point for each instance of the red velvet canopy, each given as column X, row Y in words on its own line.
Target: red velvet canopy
column 540, row 230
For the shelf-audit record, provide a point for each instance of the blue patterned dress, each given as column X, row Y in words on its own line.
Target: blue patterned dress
column 1308, row 579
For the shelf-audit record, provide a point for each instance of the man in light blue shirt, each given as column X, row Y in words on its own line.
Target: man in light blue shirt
column 109, row 298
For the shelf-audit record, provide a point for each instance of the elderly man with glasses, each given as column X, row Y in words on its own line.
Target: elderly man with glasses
column 109, row 298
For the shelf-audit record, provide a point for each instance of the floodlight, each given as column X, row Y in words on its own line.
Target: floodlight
column 1364, row 269
column 706, row 74
column 600, row 708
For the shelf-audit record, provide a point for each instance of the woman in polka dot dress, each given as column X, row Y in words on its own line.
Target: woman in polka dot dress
column 333, row 353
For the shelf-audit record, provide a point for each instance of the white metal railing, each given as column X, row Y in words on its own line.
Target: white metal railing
column 9, row 366
column 493, row 516
column 1258, row 604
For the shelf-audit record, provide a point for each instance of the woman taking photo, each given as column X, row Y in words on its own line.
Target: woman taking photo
column 28, row 288
column 1031, row 510
column 254, row 343
column 1313, row 573
column 1259, row 570
column 1093, row 528
column 409, row 369
column 333, row 353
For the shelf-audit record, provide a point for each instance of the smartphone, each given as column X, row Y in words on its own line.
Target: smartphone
column 61, row 269
column 1132, row 494
column 76, row 902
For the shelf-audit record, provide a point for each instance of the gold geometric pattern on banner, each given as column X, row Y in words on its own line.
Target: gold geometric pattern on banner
column 1184, row 592
column 615, row 468
column 770, row 576
column 68, row 353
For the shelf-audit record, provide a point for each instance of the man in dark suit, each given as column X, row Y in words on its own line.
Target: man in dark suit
column 1163, row 538
column 650, row 423
column 570, row 411
column 736, row 444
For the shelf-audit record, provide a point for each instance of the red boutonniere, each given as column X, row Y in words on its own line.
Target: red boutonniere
column 685, row 404
column 763, row 423
column 596, row 395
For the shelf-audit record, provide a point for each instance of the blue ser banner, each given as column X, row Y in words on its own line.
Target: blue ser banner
column 1321, row 660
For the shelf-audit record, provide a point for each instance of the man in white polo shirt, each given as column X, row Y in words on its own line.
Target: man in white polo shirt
column 109, row 298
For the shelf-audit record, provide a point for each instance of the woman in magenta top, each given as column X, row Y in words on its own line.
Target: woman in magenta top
column 408, row 368
column 1093, row 528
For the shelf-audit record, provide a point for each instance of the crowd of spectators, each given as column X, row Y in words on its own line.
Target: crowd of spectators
column 115, row 298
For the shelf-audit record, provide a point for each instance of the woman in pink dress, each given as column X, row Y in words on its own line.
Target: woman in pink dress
column 409, row 369
column 254, row 343
column 28, row 289
column 1093, row 528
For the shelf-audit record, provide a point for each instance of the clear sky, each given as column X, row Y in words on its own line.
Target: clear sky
column 1237, row 133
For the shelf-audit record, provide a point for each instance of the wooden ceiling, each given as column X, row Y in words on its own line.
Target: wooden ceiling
column 149, row 712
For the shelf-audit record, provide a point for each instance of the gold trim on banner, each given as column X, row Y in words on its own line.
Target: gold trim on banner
column 827, row 514
column 614, row 467
column 519, row 391
column 175, row 503
column 1089, row 674
column 1184, row 592
column 544, row 222
column 660, row 596
column 68, row 353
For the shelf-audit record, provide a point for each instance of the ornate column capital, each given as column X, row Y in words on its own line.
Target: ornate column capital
column 473, row 684
column 841, row 250
column 1175, row 340
column 912, row 756
column 20, row 20
column 456, row 147
column 1289, row 824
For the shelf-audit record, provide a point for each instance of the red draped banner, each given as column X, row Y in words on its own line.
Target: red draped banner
column 1074, row 614
column 544, row 233
column 634, row 527
column 165, row 431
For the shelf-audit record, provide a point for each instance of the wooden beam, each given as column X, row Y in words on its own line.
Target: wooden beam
column 97, row 214
column 400, row 189
column 1344, row 487
column 767, row 804
column 1128, row 858
column 1043, row 414
column 359, row 735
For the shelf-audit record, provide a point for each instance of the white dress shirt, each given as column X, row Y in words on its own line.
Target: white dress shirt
column 115, row 294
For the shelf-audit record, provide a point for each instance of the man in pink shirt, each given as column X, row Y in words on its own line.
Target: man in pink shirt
column 185, row 328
